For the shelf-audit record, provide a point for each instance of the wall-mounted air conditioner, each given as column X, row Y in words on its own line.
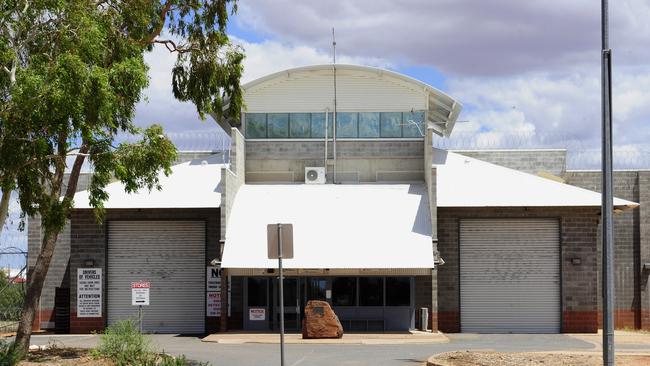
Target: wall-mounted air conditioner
column 314, row 175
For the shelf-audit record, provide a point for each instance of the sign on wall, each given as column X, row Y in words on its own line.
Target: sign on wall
column 256, row 314
column 89, row 292
column 214, row 304
column 213, row 279
column 140, row 293
column 213, row 288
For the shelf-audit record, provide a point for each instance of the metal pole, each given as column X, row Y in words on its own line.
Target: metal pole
column 140, row 317
column 607, row 195
column 334, row 115
column 281, row 295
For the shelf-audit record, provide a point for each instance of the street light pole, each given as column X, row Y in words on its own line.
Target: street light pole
column 607, row 194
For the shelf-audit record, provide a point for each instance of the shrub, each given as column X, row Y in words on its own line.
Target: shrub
column 123, row 343
column 9, row 355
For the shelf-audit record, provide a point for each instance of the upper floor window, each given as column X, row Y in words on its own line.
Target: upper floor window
column 349, row 125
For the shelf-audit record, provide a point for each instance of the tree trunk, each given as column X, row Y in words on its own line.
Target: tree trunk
column 4, row 207
column 36, row 279
column 36, row 275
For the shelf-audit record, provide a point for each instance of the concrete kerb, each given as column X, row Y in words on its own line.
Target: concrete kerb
column 349, row 338
column 431, row 361
column 628, row 343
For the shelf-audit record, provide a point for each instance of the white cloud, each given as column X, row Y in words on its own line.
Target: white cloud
column 270, row 56
column 461, row 37
column 160, row 105
column 566, row 106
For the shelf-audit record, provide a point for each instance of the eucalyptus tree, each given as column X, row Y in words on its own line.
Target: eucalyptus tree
column 72, row 74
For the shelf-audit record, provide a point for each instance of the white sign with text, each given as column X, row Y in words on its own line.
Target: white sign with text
column 256, row 314
column 214, row 304
column 89, row 292
column 213, row 279
column 140, row 293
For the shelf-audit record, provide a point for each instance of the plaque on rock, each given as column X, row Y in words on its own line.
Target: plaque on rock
column 320, row 321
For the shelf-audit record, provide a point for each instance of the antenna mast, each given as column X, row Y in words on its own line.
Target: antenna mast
column 334, row 119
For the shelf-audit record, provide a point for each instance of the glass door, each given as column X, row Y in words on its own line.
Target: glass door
column 316, row 289
column 291, row 304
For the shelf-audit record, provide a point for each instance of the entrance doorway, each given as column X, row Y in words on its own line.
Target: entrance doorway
column 292, row 312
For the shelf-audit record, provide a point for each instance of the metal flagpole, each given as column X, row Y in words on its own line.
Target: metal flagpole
column 607, row 194
column 281, row 295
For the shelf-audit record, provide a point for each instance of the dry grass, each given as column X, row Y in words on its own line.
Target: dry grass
column 56, row 356
column 531, row 359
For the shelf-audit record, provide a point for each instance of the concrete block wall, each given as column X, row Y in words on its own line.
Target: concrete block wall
column 644, row 249
column 57, row 275
column 88, row 242
column 232, row 178
column 628, row 225
column 530, row 161
column 357, row 161
column 578, row 237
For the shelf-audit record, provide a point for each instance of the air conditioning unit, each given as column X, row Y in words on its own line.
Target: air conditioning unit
column 314, row 175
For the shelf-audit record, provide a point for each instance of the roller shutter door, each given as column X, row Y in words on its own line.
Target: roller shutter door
column 170, row 255
column 510, row 275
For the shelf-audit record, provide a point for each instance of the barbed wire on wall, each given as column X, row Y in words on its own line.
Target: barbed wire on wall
column 581, row 154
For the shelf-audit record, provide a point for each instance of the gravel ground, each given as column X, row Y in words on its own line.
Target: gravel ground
column 63, row 357
column 531, row 359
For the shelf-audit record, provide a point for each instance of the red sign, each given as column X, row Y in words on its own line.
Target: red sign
column 141, row 284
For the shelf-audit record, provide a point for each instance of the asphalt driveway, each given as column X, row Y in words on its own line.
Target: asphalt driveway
column 348, row 354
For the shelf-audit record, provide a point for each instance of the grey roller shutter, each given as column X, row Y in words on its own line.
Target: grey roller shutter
column 510, row 275
column 170, row 255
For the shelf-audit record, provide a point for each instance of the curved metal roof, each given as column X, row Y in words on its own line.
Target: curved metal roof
column 442, row 112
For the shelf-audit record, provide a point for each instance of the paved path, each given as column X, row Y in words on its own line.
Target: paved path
column 351, row 355
column 349, row 338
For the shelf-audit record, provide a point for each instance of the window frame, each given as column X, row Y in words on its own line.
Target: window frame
column 399, row 123
column 382, row 287
column 316, row 136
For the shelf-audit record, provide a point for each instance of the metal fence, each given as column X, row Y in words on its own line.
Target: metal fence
column 12, row 287
column 581, row 153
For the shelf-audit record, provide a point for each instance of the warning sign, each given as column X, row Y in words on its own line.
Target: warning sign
column 213, row 279
column 89, row 292
column 214, row 304
column 140, row 293
column 256, row 314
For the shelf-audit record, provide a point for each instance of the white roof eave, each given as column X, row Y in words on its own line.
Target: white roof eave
column 467, row 182
column 334, row 226
column 193, row 184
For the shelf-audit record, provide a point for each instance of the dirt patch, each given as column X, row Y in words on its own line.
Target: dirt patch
column 63, row 357
column 530, row 359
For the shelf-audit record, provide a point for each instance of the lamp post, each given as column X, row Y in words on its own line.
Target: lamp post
column 607, row 208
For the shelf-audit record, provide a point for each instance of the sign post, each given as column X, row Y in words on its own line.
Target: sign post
column 280, row 245
column 140, row 297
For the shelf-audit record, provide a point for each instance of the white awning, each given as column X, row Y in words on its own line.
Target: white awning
column 334, row 226
column 193, row 184
column 467, row 182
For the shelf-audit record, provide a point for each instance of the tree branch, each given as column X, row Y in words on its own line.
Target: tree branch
column 73, row 178
column 172, row 47
column 163, row 16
